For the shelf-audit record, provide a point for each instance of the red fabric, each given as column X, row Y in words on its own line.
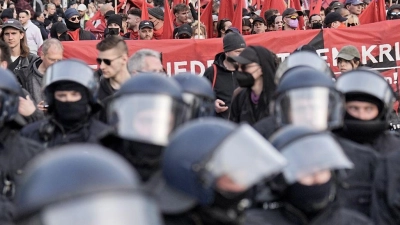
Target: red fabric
column 134, row 35
column 168, row 27
column 158, row 33
column 315, row 7
column 381, row 10
column 280, row 5
column 97, row 19
column 237, row 17
column 226, row 10
column 370, row 14
column 207, row 20
column 74, row 34
column 266, row 5
column 145, row 12
column 257, row 4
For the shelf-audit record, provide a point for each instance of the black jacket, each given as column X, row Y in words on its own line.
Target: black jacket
column 50, row 133
column 42, row 28
column 33, row 80
column 21, row 64
column 288, row 215
column 225, row 82
column 266, row 126
column 104, row 94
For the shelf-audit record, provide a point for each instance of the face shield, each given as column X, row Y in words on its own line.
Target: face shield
column 313, row 154
column 198, row 106
column 148, row 118
column 104, row 209
column 319, row 108
column 245, row 157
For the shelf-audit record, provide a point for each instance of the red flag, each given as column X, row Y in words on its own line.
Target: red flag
column 145, row 13
column 370, row 14
column 237, row 17
column 381, row 10
column 226, row 10
column 176, row 2
column 315, row 7
column 207, row 20
column 257, row 4
column 280, row 5
column 168, row 27
column 139, row 3
column 266, row 5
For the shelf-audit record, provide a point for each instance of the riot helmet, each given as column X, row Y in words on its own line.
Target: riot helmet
column 147, row 108
column 82, row 185
column 197, row 94
column 204, row 152
column 364, row 85
column 303, row 58
column 308, row 97
column 10, row 90
column 312, row 157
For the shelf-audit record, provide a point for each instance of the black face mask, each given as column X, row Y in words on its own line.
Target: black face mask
column 310, row 199
column 244, row 79
column 72, row 26
column 316, row 26
column 71, row 113
column 363, row 131
column 395, row 17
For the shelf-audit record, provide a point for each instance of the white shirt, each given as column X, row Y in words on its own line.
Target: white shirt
column 33, row 36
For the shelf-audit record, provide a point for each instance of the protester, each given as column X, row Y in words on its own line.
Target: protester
column 156, row 16
column 199, row 33
column 145, row 60
column 246, row 27
column 354, row 6
column 259, row 26
column 7, row 14
column 221, row 73
column 32, row 32
column 222, row 26
column 255, row 75
column 334, row 20
column 183, row 32
column 82, row 9
column 134, row 18
column 114, row 26
column 146, row 30
column 75, row 32
column 51, row 16
column 348, row 58
column 270, row 12
column 181, row 13
column 352, row 21
column 322, row 13
column 38, row 20
column 343, row 12
column 393, row 13
column 315, row 22
column 59, row 31
column 291, row 19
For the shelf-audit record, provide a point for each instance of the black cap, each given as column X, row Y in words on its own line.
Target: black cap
column 246, row 57
column 337, row 5
column 185, row 29
column 333, row 17
column 146, row 24
column 259, row 19
column 109, row 13
column 290, row 11
column 7, row 13
column 117, row 19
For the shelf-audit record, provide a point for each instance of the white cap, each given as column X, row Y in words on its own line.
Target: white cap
column 82, row 7
column 215, row 18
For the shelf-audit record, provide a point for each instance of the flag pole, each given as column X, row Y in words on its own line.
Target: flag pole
column 288, row 4
column 116, row 10
column 198, row 16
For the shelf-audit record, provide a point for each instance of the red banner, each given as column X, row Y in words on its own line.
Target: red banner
column 377, row 43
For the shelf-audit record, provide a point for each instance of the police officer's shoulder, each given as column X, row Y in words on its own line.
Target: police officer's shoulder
column 360, row 148
column 350, row 217
column 32, row 128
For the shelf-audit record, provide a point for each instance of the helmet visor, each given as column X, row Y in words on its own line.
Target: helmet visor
column 199, row 106
column 313, row 154
column 104, row 209
column 148, row 118
column 319, row 108
column 245, row 157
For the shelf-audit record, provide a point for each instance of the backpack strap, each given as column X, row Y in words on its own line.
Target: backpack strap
column 215, row 75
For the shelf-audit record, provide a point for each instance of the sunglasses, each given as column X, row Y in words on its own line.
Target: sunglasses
column 395, row 13
column 106, row 61
column 74, row 18
column 292, row 17
column 352, row 24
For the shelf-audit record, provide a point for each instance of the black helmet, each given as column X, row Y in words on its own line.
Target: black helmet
column 70, row 70
column 303, row 58
column 10, row 90
column 147, row 108
column 67, row 185
column 197, row 93
column 371, row 88
column 306, row 96
column 203, row 150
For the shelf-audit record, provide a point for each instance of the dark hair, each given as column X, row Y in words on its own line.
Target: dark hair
column 271, row 21
column 24, row 11
column 221, row 25
column 5, row 52
column 269, row 13
column 124, row 16
column 112, row 42
column 246, row 22
column 23, row 43
column 180, row 7
column 135, row 12
column 36, row 15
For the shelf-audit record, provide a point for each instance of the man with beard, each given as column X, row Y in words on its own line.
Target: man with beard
column 133, row 21
column 75, row 32
column 69, row 88
column 146, row 30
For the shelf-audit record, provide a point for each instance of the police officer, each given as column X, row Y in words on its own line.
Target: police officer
column 69, row 88
column 143, row 113
column 307, row 187
column 209, row 166
column 308, row 97
column 369, row 103
column 15, row 150
column 197, row 93
column 83, row 184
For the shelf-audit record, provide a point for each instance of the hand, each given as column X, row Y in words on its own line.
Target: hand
column 26, row 106
column 41, row 106
column 218, row 106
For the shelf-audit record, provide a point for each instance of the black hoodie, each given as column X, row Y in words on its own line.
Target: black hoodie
column 225, row 82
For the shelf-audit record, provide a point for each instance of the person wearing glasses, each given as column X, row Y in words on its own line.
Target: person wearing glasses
column 354, row 6
column 75, row 32
column 69, row 89
column 352, row 21
column 291, row 19
column 393, row 12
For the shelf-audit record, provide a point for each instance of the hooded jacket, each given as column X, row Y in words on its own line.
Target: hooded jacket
column 243, row 109
column 225, row 82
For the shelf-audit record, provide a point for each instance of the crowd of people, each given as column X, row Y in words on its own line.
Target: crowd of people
column 255, row 141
